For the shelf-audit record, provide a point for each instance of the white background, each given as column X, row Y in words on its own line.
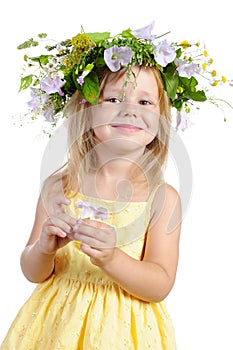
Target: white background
column 200, row 303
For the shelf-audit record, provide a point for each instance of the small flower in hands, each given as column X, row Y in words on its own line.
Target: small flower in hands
column 91, row 211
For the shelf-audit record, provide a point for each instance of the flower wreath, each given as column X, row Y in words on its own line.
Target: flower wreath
column 74, row 64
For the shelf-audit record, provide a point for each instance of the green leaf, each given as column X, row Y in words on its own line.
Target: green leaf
column 178, row 104
column 171, row 83
column 99, row 61
column 43, row 59
column 97, row 37
column 198, row 95
column 89, row 67
column 90, row 88
column 69, row 88
column 28, row 43
column 178, row 52
column 127, row 34
column 25, row 82
column 42, row 35
column 189, row 83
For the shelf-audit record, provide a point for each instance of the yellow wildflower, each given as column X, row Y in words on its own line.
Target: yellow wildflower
column 198, row 44
column 205, row 53
column 215, row 83
column 81, row 42
column 204, row 65
column 211, row 61
column 224, row 79
column 179, row 90
column 185, row 44
column 213, row 73
column 25, row 57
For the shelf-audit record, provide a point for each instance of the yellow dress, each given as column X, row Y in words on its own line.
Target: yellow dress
column 81, row 308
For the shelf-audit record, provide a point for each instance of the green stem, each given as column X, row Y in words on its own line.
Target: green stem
column 221, row 100
column 160, row 36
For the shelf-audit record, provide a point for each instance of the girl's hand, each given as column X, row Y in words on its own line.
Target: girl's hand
column 98, row 240
column 56, row 228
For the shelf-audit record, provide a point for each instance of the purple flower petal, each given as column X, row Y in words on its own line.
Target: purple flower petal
column 38, row 99
column 80, row 80
column 115, row 57
column 182, row 121
column 48, row 113
column 145, row 32
column 82, row 101
column 51, row 85
column 164, row 53
column 91, row 211
column 186, row 69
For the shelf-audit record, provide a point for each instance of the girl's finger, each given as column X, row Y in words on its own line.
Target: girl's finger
column 58, row 204
column 67, row 219
column 58, row 223
column 51, row 230
column 108, row 242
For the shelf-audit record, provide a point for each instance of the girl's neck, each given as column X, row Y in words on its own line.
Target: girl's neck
column 115, row 181
column 117, row 164
column 116, row 169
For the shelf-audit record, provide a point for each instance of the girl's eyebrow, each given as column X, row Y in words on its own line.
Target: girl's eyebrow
column 146, row 93
column 112, row 91
column 116, row 90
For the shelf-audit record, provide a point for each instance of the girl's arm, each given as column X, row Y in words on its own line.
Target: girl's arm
column 49, row 233
column 152, row 278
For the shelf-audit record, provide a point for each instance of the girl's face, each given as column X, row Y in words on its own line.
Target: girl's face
column 131, row 121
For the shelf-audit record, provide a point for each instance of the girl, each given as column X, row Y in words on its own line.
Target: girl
column 109, row 292
column 104, row 245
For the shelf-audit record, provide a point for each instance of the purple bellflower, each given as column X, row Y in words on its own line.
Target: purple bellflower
column 38, row 100
column 183, row 121
column 115, row 57
column 186, row 69
column 51, row 85
column 145, row 32
column 164, row 53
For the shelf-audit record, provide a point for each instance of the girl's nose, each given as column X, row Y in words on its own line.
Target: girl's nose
column 130, row 110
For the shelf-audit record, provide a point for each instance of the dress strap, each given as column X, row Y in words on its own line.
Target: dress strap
column 152, row 194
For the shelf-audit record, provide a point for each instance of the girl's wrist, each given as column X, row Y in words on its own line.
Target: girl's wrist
column 110, row 263
column 41, row 252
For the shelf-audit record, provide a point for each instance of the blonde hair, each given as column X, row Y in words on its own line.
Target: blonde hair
column 82, row 141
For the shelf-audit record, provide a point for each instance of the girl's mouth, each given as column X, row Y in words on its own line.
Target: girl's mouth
column 128, row 128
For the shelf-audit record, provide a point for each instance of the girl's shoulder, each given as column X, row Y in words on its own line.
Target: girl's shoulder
column 166, row 198
column 166, row 190
column 162, row 190
column 52, row 187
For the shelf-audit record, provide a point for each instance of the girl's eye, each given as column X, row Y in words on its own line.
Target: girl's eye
column 113, row 100
column 144, row 102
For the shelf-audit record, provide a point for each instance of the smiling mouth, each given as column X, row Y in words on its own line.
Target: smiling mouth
column 126, row 127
